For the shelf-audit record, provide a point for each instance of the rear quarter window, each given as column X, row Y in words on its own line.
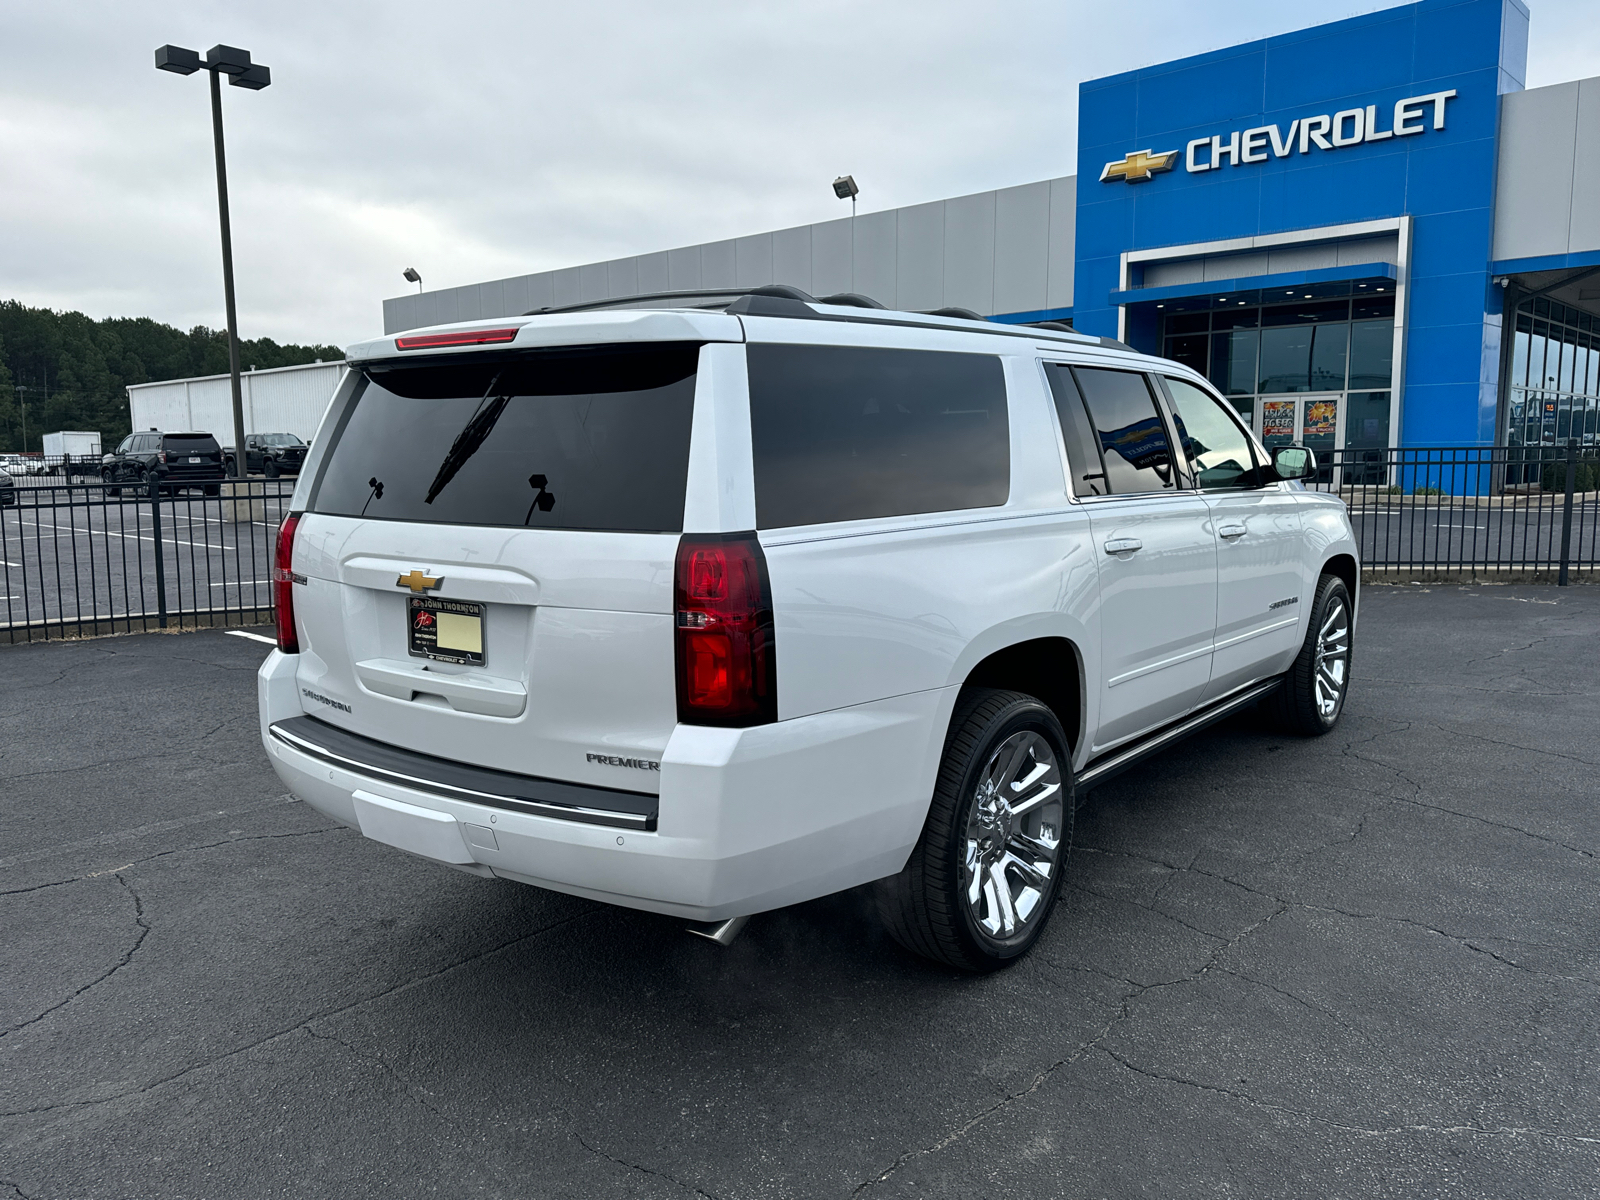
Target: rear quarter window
column 843, row 433
column 591, row 438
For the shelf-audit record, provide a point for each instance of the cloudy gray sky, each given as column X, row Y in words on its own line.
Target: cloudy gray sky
column 479, row 140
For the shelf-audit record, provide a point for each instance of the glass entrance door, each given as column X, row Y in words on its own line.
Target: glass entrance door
column 1315, row 421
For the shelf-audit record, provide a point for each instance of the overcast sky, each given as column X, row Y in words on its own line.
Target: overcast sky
column 480, row 140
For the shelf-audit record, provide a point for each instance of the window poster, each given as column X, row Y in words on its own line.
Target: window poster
column 1322, row 418
column 1277, row 420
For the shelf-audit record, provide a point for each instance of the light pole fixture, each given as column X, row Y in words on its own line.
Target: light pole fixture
column 241, row 72
column 412, row 275
column 845, row 188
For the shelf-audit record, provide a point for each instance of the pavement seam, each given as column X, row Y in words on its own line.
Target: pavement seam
column 413, row 1091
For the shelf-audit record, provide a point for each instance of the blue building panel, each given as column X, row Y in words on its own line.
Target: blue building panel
column 1316, row 111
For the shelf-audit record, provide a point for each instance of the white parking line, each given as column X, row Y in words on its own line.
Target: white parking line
column 242, row 583
column 254, row 637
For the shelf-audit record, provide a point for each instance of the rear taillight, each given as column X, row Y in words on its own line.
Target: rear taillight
column 161, row 455
column 283, row 585
column 726, row 659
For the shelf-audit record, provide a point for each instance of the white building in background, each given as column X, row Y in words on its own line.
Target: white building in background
column 279, row 400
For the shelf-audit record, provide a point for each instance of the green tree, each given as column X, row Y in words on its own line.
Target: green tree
column 75, row 370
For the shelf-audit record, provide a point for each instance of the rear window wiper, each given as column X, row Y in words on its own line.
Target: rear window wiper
column 472, row 436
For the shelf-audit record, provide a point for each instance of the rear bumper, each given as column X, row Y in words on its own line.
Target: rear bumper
column 746, row 820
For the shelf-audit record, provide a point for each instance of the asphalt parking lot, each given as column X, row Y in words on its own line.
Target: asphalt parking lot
column 1361, row 966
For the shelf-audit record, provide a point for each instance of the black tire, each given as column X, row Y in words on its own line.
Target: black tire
column 926, row 907
column 213, row 489
column 270, row 469
column 105, row 477
column 1313, row 693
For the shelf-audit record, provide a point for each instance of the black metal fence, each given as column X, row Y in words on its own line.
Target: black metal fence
column 81, row 559
column 87, row 558
column 1494, row 512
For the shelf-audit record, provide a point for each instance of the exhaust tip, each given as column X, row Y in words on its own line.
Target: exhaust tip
column 720, row 932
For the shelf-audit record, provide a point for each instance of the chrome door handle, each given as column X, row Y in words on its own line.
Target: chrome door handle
column 1230, row 531
column 1123, row 545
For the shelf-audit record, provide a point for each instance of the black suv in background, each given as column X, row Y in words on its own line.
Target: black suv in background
column 176, row 459
column 273, row 454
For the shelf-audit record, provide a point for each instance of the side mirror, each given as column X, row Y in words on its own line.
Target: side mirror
column 1293, row 462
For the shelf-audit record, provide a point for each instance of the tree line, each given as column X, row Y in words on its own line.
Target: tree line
column 65, row 370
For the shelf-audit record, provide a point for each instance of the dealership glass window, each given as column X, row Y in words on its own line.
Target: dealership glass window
column 1233, row 361
column 1371, row 354
column 1553, row 392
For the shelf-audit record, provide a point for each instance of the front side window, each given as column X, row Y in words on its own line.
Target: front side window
column 594, row 438
column 845, row 433
column 1217, row 450
column 1132, row 436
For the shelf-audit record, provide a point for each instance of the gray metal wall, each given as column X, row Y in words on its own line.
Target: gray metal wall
column 1547, row 198
column 1000, row 252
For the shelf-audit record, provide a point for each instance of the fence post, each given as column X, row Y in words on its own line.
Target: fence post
column 1566, row 510
column 161, row 566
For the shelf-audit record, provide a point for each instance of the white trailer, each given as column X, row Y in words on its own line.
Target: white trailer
column 279, row 400
column 76, row 443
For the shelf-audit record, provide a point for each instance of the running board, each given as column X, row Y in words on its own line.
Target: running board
column 720, row 932
column 1121, row 760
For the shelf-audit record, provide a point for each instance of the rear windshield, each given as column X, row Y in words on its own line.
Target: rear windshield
column 190, row 443
column 595, row 438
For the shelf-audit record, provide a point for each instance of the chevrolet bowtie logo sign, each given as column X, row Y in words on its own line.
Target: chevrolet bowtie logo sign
column 418, row 582
column 1139, row 165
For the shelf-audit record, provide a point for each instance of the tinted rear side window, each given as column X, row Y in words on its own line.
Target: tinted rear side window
column 842, row 433
column 1133, row 438
column 580, row 439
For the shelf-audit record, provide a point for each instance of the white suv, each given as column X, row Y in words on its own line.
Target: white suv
column 712, row 604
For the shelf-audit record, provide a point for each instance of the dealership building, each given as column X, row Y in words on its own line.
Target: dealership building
column 1366, row 234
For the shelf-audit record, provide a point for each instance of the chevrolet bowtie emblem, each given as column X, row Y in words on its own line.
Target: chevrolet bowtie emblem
column 418, row 582
column 1139, row 165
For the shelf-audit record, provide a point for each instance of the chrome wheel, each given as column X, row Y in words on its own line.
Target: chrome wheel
column 1332, row 660
column 1013, row 836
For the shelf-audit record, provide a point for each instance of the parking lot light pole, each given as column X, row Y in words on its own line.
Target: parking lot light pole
column 241, row 72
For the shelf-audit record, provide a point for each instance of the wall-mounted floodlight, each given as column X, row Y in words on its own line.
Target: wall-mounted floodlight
column 412, row 275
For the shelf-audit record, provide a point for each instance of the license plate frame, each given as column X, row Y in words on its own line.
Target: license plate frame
column 423, row 630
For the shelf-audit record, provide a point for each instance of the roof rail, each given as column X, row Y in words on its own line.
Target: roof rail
column 784, row 300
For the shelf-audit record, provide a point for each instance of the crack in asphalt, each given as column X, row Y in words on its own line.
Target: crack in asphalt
column 633, row 1166
column 123, row 835
column 1514, row 745
column 1039, row 1080
column 302, row 1024
column 144, row 932
column 254, row 837
column 414, row 1092
column 1361, row 1130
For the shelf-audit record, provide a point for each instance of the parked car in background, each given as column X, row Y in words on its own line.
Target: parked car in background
column 8, row 488
column 18, row 465
column 176, row 460
column 711, row 612
column 272, row 454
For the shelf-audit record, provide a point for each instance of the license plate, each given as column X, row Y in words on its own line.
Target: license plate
column 446, row 630
column 194, row 460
